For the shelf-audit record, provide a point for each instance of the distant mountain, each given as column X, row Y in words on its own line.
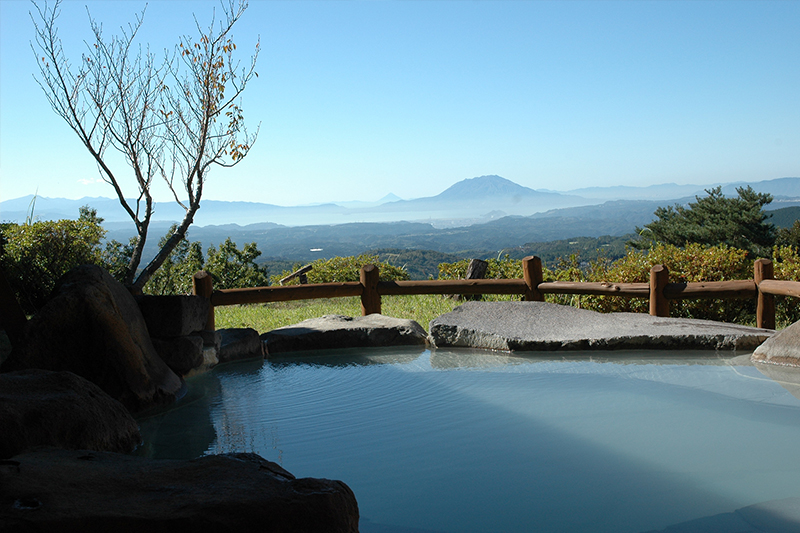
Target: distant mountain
column 652, row 192
column 781, row 188
column 307, row 243
column 480, row 200
column 391, row 197
column 784, row 217
column 211, row 211
column 360, row 204
column 487, row 186
column 474, row 197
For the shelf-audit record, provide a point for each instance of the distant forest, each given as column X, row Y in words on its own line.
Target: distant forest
column 424, row 263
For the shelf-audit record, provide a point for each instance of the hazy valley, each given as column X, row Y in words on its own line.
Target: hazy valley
column 479, row 217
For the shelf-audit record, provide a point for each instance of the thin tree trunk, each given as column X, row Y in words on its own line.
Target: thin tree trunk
column 163, row 253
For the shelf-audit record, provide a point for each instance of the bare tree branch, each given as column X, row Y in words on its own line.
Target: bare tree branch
column 175, row 118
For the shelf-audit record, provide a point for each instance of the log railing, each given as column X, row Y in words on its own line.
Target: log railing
column 531, row 287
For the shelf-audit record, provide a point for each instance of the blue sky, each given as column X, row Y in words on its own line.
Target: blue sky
column 360, row 99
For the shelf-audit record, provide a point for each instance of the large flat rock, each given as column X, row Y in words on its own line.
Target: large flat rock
column 337, row 331
column 544, row 326
column 81, row 491
column 43, row 408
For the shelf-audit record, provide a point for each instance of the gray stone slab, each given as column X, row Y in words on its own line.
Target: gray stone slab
column 514, row 326
column 182, row 354
column 783, row 348
column 239, row 343
column 337, row 331
column 82, row 491
column 173, row 315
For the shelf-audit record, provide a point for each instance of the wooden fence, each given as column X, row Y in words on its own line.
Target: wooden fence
column 531, row 287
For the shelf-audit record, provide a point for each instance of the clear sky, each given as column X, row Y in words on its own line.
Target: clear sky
column 360, row 99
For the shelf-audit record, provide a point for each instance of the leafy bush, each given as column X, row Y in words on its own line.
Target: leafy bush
column 690, row 264
column 789, row 236
column 340, row 269
column 505, row 268
column 786, row 264
column 116, row 257
column 35, row 255
column 232, row 268
column 176, row 272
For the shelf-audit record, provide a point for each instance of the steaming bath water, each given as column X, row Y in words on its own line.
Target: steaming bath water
column 470, row 441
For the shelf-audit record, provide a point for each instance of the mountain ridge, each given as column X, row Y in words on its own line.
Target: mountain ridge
column 467, row 202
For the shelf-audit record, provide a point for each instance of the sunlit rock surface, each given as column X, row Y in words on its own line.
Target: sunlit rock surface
column 781, row 349
column 337, row 331
column 239, row 343
column 514, row 326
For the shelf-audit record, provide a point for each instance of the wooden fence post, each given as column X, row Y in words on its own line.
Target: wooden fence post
column 532, row 273
column 370, row 299
column 203, row 286
column 475, row 270
column 765, row 303
column 659, row 277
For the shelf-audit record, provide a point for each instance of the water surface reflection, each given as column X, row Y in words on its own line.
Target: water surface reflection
column 465, row 440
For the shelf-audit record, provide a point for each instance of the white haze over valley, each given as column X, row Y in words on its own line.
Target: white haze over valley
column 470, row 201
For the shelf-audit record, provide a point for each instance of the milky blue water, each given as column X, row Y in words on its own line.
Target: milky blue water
column 470, row 441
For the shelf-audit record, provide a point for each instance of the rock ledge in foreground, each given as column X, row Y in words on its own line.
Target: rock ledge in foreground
column 92, row 327
column 43, row 408
column 512, row 326
column 79, row 491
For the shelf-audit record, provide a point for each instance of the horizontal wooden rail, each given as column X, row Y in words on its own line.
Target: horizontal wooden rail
column 531, row 287
column 711, row 289
column 630, row 290
column 453, row 286
column 282, row 294
column 780, row 288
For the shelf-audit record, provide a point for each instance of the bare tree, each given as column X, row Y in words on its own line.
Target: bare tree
column 173, row 118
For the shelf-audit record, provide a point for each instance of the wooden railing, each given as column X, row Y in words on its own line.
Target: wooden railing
column 531, row 287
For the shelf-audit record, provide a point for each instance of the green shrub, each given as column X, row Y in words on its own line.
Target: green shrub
column 232, row 268
column 505, row 268
column 786, row 264
column 35, row 255
column 175, row 274
column 692, row 263
column 340, row 269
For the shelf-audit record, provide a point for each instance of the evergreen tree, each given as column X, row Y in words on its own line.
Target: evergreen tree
column 738, row 222
column 789, row 236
